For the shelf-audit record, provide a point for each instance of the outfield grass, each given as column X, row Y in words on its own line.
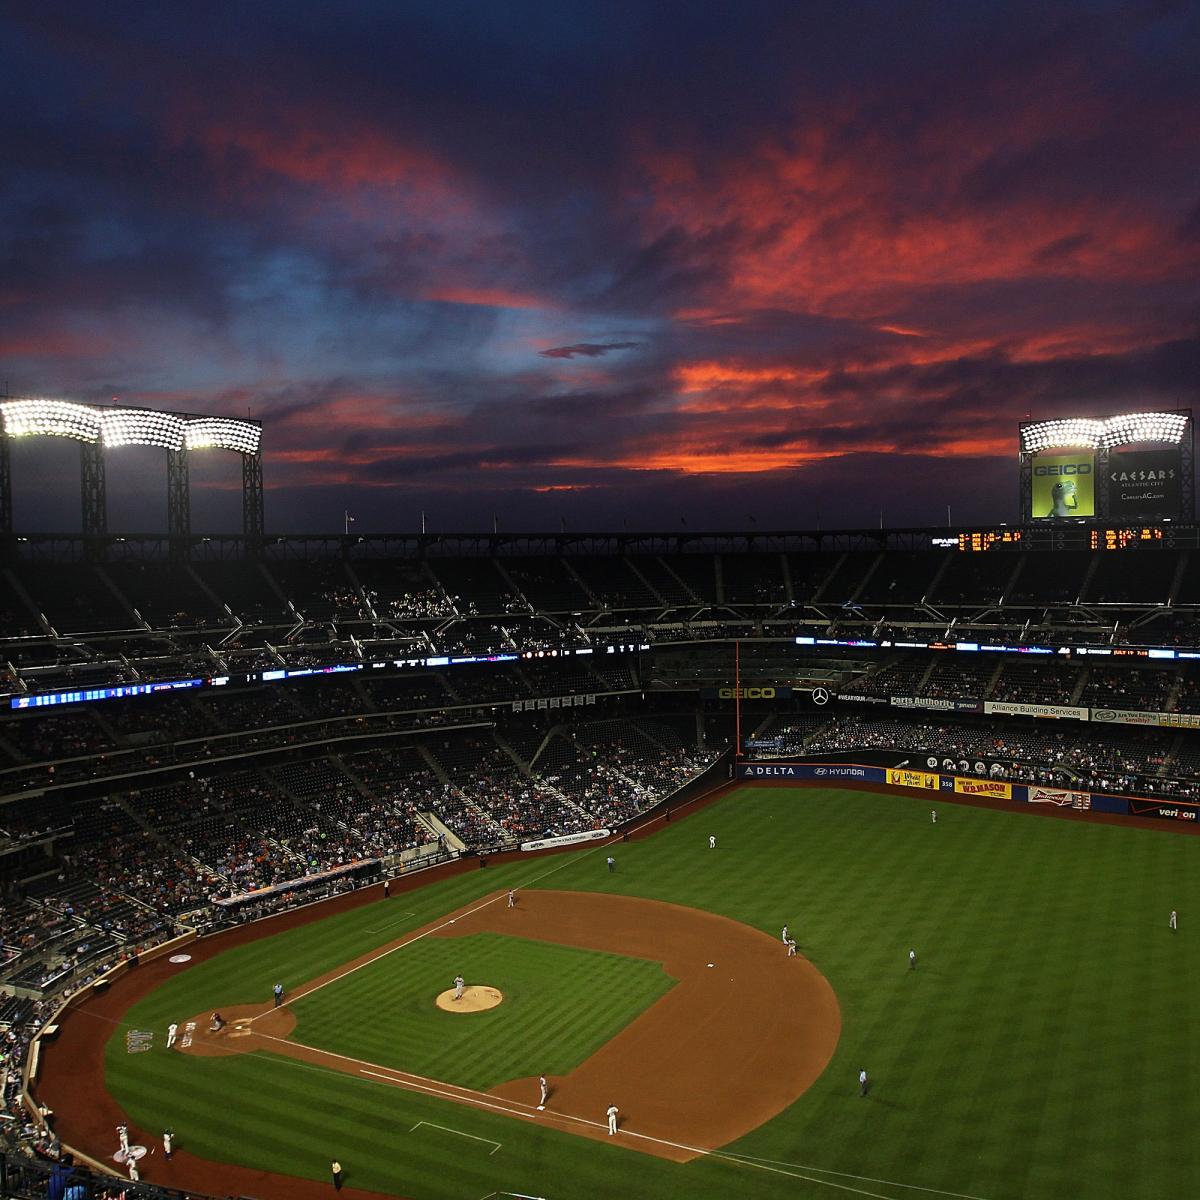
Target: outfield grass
column 560, row 1005
column 1044, row 1047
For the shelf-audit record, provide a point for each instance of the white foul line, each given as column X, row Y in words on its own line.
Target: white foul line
column 459, row 1132
column 451, row 1091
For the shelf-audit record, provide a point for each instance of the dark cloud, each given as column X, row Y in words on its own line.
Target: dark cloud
column 587, row 349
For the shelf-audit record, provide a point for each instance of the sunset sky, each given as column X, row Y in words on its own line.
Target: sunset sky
column 614, row 264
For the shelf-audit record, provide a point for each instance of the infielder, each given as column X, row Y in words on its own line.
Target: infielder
column 545, row 1092
column 512, row 898
column 172, row 1030
column 1173, row 921
column 791, row 948
column 712, row 842
column 168, row 1144
column 784, row 935
column 613, row 1113
column 459, row 984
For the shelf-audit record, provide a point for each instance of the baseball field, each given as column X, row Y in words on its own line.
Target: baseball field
column 1044, row 1045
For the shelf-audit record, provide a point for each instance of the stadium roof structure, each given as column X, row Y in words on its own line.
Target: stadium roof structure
column 98, row 427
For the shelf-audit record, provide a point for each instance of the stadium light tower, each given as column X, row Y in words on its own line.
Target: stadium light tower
column 98, row 428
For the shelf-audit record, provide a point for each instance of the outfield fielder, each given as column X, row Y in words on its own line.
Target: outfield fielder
column 933, row 815
column 1173, row 923
column 712, row 842
column 613, row 1113
column 863, row 1082
column 459, row 984
column 545, row 1092
column 912, row 960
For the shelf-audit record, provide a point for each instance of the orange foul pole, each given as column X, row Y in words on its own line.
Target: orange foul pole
column 737, row 699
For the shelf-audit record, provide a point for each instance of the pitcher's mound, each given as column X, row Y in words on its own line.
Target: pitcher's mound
column 475, row 998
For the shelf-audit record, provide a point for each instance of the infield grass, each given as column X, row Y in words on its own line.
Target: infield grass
column 560, row 1004
column 1045, row 1047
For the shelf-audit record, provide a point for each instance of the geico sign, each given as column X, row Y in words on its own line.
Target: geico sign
column 750, row 693
column 1064, row 469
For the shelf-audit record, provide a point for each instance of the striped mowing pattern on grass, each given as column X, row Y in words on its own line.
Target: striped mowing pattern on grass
column 560, row 1005
column 1044, row 1048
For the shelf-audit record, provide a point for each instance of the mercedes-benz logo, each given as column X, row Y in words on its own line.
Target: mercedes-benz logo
column 820, row 695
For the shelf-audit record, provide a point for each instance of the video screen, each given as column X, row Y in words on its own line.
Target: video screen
column 1064, row 486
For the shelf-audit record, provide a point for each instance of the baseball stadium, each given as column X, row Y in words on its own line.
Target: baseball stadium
column 788, row 863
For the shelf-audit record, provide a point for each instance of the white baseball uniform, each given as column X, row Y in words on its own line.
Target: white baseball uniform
column 612, row 1119
column 712, row 842
column 172, row 1029
column 459, row 984
column 545, row 1090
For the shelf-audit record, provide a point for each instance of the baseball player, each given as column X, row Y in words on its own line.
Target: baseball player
column 168, row 1144
column 712, row 842
column 512, row 898
column 1173, row 920
column 459, row 984
column 912, row 960
column 278, row 991
column 134, row 1177
column 784, row 935
column 863, row 1082
column 612, row 864
column 933, row 815
column 216, row 1023
column 335, row 1169
column 545, row 1092
column 172, row 1030
column 791, row 948
column 613, row 1113
column 123, row 1135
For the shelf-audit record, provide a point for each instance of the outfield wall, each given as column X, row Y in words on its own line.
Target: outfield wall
column 909, row 781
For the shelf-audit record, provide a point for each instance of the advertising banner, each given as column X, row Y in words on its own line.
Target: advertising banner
column 1164, row 811
column 1126, row 716
column 995, row 789
column 824, row 771
column 566, row 839
column 1014, row 708
column 1144, row 483
column 902, row 777
column 756, row 692
column 935, row 704
column 1060, row 797
column 1064, row 485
